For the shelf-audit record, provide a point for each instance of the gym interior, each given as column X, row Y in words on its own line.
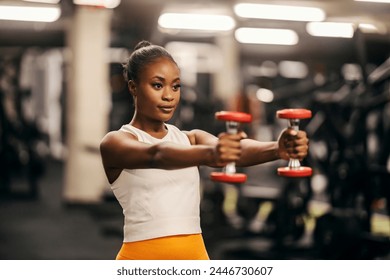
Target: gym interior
column 62, row 90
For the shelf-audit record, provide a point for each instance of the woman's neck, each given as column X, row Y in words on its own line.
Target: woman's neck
column 156, row 129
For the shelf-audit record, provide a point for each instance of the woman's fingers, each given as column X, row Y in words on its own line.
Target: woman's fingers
column 229, row 147
column 293, row 144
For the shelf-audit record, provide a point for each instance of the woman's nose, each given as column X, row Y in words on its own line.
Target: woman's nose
column 168, row 94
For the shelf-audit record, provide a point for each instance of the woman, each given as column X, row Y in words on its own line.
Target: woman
column 152, row 166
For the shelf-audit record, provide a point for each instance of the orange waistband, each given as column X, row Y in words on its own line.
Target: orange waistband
column 177, row 247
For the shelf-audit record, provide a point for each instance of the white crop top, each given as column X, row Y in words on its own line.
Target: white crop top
column 158, row 202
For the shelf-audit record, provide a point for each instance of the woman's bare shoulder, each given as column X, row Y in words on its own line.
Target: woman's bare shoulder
column 115, row 137
column 200, row 137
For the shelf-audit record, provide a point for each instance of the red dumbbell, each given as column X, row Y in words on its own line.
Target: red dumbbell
column 294, row 168
column 233, row 119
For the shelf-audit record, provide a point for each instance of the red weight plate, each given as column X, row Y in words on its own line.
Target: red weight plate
column 233, row 116
column 292, row 172
column 228, row 178
column 293, row 114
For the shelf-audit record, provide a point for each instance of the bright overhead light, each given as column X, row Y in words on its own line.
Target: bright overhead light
column 373, row 28
column 330, row 29
column 374, row 1
column 44, row 1
column 110, row 4
column 266, row 36
column 293, row 69
column 265, row 95
column 279, row 12
column 27, row 13
column 202, row 22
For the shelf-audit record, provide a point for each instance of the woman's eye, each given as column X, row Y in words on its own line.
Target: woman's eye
column 176, row 87
column 157, row 86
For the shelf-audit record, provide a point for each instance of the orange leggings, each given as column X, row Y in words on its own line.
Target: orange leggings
column 178, row 247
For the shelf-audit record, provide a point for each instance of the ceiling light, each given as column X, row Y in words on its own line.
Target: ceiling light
column 374, row 1
column 110, row 4
column 330, row 29
column 202, row 22
column 293, row 69
column 279, row 12
column 30, row 13
column 373, row 28
column 44, row 1
column 266, row 36
column 265, row 95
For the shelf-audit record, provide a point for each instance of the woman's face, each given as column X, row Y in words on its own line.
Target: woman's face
column 157, row 92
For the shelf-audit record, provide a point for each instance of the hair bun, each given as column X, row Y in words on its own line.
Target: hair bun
column 142, row 44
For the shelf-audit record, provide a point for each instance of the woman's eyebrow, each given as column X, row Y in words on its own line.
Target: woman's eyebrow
column 163, row 79
column 158, row 77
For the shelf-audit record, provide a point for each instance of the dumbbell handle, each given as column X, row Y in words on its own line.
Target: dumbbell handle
column 294, row 163
column 231, row 128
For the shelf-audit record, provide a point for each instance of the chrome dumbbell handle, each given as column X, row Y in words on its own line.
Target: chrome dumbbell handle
column 294, row 163
column 231, row 128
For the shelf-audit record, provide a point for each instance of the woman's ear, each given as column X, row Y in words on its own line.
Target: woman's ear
column 132, row 88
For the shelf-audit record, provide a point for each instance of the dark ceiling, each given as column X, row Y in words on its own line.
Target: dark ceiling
column 137, row 19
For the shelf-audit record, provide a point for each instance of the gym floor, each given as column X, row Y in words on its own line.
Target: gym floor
column 44, row 228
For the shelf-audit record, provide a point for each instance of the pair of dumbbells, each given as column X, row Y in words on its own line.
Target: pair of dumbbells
column 234, row 119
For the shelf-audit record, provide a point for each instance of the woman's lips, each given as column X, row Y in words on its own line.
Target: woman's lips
column 167, row 109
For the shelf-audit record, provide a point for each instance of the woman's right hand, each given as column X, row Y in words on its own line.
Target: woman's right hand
column 228, row 148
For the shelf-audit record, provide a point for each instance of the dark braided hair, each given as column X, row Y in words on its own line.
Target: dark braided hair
column 143, row 54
